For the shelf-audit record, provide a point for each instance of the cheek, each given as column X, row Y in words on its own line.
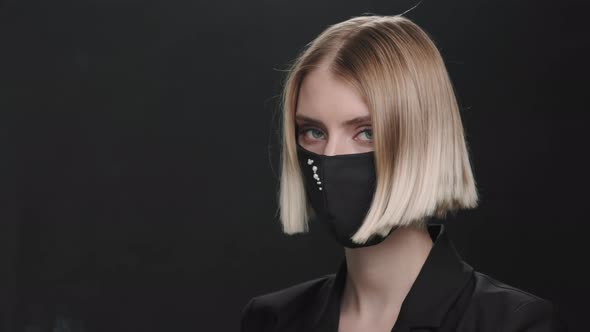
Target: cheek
column 362, row 148
column 314, row 146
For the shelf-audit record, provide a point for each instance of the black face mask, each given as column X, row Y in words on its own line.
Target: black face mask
column 340, row 189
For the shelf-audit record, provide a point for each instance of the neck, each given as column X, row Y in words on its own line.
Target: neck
column 380, row 276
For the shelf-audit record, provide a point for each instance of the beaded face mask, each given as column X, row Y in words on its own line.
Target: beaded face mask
column 340, row 190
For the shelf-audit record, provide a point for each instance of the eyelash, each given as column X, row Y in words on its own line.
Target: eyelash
column 304, row 129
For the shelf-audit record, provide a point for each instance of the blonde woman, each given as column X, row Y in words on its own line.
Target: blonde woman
column 373, row 148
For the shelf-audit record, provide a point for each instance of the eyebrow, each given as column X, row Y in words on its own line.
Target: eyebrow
column 357, row 120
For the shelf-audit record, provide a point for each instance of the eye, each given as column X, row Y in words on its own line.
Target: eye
column 312, row 133
column 366, row 135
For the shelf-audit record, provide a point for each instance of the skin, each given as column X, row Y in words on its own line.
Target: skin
column 333, row 119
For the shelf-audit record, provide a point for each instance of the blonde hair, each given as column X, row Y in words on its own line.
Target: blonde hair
column 421, row 158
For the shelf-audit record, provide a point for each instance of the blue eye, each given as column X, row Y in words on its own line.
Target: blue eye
column 366, row 135
column 315, row 133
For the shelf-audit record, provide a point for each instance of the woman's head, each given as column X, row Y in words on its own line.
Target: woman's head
column 377, row 83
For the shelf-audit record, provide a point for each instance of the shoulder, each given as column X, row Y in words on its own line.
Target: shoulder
column 492, row 292
column 496, row 303
column 267, row 311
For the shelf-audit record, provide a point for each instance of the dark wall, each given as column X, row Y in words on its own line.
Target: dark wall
column 139, row 154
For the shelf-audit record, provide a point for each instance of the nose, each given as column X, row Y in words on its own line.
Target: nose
column 335, row 146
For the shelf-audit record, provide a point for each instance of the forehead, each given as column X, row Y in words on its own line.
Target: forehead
column 327, row 98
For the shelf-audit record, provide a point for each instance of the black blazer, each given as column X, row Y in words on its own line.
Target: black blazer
column 448, row 295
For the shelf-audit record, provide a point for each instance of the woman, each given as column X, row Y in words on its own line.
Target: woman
column 374, row 149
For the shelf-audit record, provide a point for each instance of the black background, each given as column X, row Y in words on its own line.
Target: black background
column 139, row 154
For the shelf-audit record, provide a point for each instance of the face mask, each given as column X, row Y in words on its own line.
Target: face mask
column 340, row 189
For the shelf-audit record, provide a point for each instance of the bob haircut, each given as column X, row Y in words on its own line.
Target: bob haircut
column 421, row 159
